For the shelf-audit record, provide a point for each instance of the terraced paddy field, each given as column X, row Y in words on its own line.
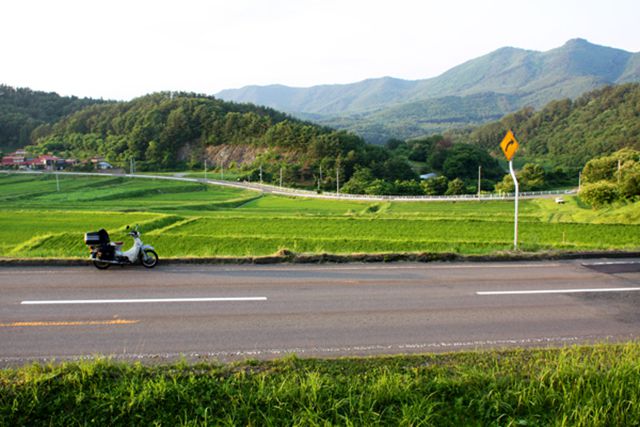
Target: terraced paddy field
column 183, row 219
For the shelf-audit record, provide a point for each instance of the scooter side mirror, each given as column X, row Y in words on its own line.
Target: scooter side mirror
column 127, row 227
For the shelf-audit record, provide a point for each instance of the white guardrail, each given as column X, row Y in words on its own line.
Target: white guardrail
column 294, row 192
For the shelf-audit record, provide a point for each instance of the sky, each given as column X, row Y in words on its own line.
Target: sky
column 122, row 49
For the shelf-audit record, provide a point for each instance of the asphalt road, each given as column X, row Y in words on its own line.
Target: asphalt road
column 231, row 312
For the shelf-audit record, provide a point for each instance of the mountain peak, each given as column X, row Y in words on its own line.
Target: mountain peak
column 577, row 42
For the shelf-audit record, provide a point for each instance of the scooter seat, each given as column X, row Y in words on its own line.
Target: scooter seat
column 118, row 243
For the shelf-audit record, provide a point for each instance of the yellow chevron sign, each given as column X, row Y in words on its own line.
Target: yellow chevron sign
column 509, row 145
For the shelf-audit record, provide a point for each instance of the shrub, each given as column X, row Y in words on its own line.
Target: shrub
column 435, row 186
column 600, row 193
column 456, row 187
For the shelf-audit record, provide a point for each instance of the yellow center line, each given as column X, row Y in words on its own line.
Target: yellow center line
column 77, row 323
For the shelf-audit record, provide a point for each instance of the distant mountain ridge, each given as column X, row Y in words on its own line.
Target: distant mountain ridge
column 383, row 108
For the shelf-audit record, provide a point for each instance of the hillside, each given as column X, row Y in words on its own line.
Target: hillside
column 376, row 108
column 431, row 116
column 177, row 130
column 22, row 110
column 569, row 133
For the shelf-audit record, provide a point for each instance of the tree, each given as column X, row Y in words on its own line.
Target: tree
column 456, row 187
column 531, row 177
column 380, row 187
column 436, row 186
column 629, row 185
column 359, row 182
column 506, row 185
column 407, row 188
column 599, row 194
column 462, row 161
column 394, row 144
column 600, row 169
column 397, row 169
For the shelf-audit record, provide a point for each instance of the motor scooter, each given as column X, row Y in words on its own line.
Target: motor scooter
column 105, row 253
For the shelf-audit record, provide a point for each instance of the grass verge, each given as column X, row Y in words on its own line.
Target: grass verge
column 589, row 385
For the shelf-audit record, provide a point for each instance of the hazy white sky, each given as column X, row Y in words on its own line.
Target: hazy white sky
column 120, row 49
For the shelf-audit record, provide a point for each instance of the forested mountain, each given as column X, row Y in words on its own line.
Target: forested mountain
column 569, row 133
column 502, row 81
column 175, row 130
column 22, row 110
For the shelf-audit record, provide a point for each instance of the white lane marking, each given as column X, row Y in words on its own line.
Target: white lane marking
column 556, row 291
column 147, row 300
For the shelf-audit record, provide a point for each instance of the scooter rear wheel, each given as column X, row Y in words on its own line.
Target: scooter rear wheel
column 149, row 258
column 101, row 265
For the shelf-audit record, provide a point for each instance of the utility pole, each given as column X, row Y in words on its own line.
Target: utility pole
column 320, row 180
column 205, row 169
column 260, row 174
column 618, row 171
column 337, row 180
column 280, row 176
column 57, row 183
column 579, row 180
column 479, row 180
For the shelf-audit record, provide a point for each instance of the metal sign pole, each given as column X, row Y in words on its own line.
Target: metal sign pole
column 509, row 147
column 515, row 223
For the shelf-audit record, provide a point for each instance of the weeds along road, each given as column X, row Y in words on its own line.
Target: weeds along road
column 231, row 312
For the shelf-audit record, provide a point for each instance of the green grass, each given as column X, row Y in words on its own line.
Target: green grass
column 578, row 386
column 183, row 219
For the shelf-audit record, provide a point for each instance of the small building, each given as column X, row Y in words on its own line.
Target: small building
column 47, row 161
column 16, row 159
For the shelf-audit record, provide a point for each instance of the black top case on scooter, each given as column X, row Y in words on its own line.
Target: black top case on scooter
column 100, row 238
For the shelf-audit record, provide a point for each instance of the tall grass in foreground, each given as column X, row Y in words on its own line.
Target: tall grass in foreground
column 590, row 386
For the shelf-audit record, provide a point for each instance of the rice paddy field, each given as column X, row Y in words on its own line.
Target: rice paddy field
column 42, row 217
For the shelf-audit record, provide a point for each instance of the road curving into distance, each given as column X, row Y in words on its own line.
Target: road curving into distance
column 330, row 310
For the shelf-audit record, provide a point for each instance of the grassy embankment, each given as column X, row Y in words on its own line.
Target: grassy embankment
column 579, row 386
column 193, row 220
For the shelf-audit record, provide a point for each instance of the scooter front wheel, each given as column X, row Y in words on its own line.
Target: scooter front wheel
column 149, row 258
column 101, row 265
